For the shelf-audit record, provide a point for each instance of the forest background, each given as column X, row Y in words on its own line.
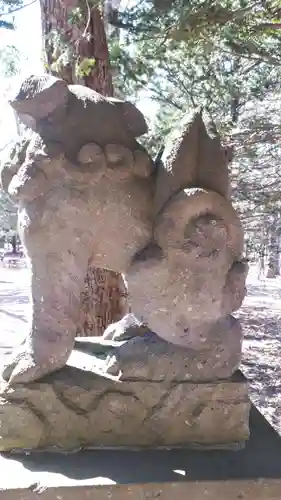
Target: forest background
column 168, row 57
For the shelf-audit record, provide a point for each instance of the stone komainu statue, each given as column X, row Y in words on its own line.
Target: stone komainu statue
column 86, row 189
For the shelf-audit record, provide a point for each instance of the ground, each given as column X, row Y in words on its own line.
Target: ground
column 261, row 320
column 260, row 315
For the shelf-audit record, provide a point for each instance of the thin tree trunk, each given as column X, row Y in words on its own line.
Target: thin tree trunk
column 104, row 299
column 14, row 244
column 272, row 269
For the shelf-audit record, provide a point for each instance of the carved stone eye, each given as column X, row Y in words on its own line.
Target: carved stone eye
column 207, row 235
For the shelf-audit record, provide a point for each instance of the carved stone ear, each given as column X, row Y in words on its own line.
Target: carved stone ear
column 135, row 119
column 132, row 115
column 193, row 157
column 38, row 96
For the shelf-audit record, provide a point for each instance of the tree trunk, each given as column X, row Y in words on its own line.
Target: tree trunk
column 73, row 34
column 14, row 243
column 272, row 268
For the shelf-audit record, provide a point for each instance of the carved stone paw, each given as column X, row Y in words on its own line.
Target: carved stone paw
column 24, row 366
column 127, row 328
column 21, row 368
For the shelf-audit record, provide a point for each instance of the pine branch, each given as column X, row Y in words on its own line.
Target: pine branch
column 6, row 25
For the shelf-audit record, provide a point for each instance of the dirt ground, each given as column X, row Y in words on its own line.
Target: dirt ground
column 261, row 320
column 260, row 316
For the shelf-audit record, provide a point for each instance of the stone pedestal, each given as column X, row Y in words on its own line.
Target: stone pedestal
column 131, row 394
column 253, row 473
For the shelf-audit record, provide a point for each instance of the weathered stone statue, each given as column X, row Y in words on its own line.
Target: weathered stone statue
column 165, row 375
column 83, row 188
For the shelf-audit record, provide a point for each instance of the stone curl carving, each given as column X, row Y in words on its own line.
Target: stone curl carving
column 192, row 277
column 87, row 189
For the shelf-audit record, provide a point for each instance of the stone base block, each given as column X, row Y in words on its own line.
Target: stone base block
column 82, row 406
column 253, row 473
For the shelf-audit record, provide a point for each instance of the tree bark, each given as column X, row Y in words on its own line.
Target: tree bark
column 14, row 243
column 104, row 299
column 272, row 268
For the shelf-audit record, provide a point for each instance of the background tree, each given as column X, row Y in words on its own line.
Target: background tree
column 8, row 8
column 10, row 60
column 225, row 57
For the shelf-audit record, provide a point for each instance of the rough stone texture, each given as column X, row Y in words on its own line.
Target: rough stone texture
column 87, row 191
column 186, row 287
column 145, row 354
column 252, row 473
column 192, row 275
column 73, row 115
column 192, row 157
column 96, row 205
column 150, row 403
column 127, row 328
